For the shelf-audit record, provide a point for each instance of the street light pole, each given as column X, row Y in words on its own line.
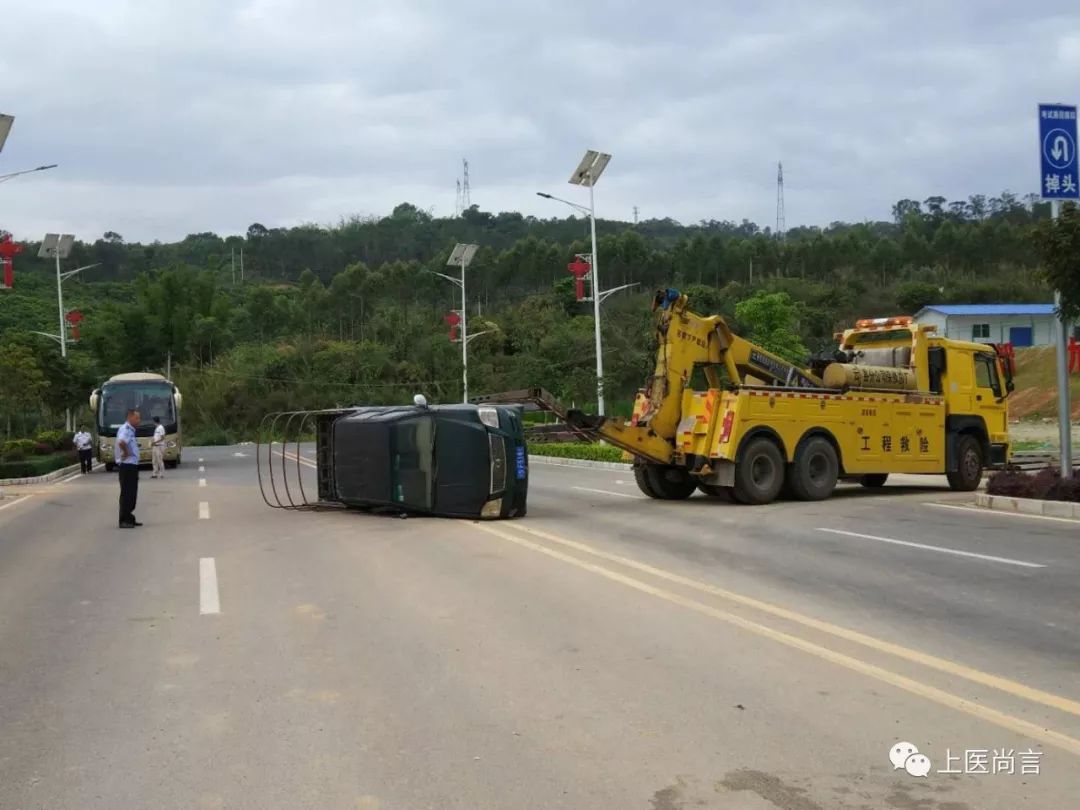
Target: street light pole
column 595, row 270
column 461, row 256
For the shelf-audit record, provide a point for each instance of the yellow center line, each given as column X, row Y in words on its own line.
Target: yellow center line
column 1007, row 721
column 933, row 662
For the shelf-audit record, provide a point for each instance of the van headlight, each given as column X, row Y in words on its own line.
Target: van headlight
column 489, row 416
column 492, row 509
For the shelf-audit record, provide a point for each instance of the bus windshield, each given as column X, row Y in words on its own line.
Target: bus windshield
column 150, row 399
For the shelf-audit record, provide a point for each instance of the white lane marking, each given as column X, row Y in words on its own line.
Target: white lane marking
column 619, row 481
column 209, row 601
column 202, row 482
column 607, row 492
column 204, row 510
column 71, row 477
column 939, row 549
column 200, row 461
column 240, row 455
column 302, row 459
column 18, row 501
column 202, row 469
column 998, row 512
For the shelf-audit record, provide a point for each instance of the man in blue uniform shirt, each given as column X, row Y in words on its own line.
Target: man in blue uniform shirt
column 127, row 462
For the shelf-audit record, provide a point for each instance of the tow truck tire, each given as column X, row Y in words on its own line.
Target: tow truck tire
column 714, row 491
column 969, row 465
column 873, row 480
column 812, row 475
column 664, row 483
column 759, row 472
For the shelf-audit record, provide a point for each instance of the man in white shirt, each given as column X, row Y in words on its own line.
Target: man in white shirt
column 157, row 449
column 84, row 443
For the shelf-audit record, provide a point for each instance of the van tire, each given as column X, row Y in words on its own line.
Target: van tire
column 813, row 474
column 969, row 465
column 873, row 480
column 665, row 483
column 759, row 472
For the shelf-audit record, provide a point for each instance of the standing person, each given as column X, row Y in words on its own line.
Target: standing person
column 84, row 443
column 157, row 449
column 127, row 462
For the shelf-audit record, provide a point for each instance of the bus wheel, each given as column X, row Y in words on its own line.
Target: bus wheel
column 714, row 491
column 969, row 468
column 759, row 473
column 664, row 482
column 812, row 476
column 873, row 480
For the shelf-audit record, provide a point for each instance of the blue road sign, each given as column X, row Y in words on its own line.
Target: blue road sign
column 1059, row 178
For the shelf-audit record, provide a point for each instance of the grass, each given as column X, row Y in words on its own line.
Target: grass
column 1035, row 396
column 582, row 450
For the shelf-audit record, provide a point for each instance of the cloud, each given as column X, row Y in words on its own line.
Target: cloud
column 175, row 118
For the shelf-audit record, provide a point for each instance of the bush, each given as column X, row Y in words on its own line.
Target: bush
column 210, row 436
column 1045, row 485
column 43, row 448
column 55, row 439
column 17, row 449
column 583, row 450
column 37, row 465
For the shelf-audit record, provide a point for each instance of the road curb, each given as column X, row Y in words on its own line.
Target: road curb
column 1029, row 506
column 41, row 479
column 580, row 462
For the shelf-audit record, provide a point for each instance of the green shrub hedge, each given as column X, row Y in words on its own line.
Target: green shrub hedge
column 583, row 450
column 55, row 439
column 34, row 466
column 17, row 449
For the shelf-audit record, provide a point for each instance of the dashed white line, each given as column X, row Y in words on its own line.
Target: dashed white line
column 204, row 510
column 202, row 469
column 202, row 482
column 200, row 461
column 608, row 492
column 939, row 549
column 999, row 513
column 209, row 601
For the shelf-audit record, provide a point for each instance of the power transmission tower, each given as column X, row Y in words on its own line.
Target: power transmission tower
column 457, row 200
column 635, row 215
column 466, row 199
column 780, row 226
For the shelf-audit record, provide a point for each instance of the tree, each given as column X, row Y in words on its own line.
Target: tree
column 772, row 319
column 22, row 382
column 1058, row 244
column 914, row 295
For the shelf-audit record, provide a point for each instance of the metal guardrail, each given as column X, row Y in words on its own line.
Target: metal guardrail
column 1035, row 460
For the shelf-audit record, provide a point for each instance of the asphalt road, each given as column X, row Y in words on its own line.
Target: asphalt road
column 608, row 651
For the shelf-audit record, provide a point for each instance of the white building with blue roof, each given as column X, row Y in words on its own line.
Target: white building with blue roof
column 1019, row 324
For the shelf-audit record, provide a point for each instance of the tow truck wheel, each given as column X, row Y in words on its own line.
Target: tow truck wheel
column 969, row 468
column 714, row 491
column 759, row 472
column 664, row 483
column 873, row 480
column 812, row 475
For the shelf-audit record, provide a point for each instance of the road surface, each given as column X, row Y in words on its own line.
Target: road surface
column 608, row 651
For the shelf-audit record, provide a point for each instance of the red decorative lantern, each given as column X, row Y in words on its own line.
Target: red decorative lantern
column 453, row 320
column 580, row 268
column 74, row 317
column 8, row 251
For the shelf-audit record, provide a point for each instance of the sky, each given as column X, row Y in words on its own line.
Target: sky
column 208, row 115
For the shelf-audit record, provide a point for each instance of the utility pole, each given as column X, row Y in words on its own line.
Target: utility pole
column 1061, row 341
column 241, row 265
column 635, row 215
column 781, row 226
column 232, row 263
column 466, row 194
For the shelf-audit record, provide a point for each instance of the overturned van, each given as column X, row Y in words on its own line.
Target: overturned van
column 450, row 460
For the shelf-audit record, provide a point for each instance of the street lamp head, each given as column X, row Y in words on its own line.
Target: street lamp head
column 544, row 195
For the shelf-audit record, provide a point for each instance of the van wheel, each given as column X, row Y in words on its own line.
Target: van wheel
column 714, row 491
column 969, row 466
column 759, row 472
column 873, row 480
column 665, row 483
column 812, row 476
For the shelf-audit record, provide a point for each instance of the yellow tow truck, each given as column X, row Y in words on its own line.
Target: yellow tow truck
column 893, row 398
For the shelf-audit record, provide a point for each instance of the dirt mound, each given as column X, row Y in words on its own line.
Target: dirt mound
column 1036, row 385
